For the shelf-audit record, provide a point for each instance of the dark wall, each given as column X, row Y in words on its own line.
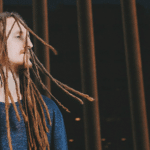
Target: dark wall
column 111, row 69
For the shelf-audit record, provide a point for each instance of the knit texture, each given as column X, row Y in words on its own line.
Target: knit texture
column 57, row 136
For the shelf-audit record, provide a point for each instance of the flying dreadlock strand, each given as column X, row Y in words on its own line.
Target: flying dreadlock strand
column 52, row 48
column 41, row 67
column 77, row 92
column 67, row 87
column 45, row 88
column 42, row 84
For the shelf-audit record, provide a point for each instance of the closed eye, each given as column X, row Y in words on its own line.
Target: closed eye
column 18, row 36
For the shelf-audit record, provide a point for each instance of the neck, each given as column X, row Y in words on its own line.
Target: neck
column 11, row 86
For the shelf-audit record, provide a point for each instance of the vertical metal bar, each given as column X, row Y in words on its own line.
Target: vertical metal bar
column 88, row 74
column 40, row 27
column 1, row 6
column 135, row 77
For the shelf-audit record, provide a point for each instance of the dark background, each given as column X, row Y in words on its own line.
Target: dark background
column 111, row 67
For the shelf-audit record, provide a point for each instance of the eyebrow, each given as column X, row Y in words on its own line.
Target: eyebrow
column 17, row 32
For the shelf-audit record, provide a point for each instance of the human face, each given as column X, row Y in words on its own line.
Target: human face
column 16, row 44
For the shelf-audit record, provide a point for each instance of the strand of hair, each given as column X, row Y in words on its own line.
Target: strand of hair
column 42, row 101
column 75, row 91
column 14, row 105
column 10, row 30
column 41, row 109
column 45, row 88
column 40, row 39
column 20, row 105
column 6, row 95
column 53, row 79
column 30, row 141
column 7, row 110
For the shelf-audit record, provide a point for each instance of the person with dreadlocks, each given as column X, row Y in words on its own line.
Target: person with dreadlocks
column 28, row 120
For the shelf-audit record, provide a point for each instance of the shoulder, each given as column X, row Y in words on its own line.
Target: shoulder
column 50, row 104
column 58, row 133
column 55, row 113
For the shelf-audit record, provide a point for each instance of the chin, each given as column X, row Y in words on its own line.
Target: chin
column 22, row 65
column 25, row 66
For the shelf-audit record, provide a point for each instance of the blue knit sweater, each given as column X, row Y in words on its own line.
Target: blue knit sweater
column 57, row 136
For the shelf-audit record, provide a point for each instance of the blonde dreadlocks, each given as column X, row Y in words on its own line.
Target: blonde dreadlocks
column 33, row 103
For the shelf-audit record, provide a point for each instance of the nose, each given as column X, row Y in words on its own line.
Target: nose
column 29, row 43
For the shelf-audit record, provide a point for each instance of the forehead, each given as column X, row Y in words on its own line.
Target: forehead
column 9, row 23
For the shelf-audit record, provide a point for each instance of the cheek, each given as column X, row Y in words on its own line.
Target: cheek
column 13, row 50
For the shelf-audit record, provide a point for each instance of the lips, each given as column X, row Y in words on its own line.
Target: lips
column 23, row 52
